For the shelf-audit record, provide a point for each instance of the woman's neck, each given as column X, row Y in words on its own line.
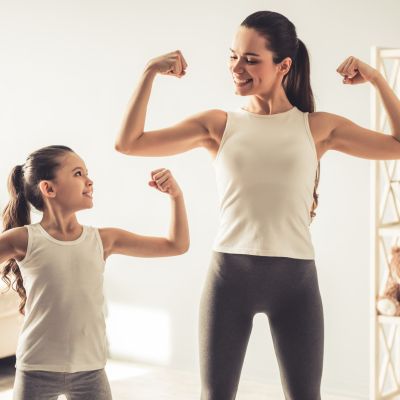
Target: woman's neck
column 269, row 104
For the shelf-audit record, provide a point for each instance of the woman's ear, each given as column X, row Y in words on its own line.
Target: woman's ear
column 284, row 65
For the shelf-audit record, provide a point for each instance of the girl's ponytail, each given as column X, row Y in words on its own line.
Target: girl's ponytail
column 17, row 211
column 16, row 214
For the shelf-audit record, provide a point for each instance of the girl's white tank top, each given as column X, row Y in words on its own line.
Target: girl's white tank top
column 265, row 171
column 64, row 325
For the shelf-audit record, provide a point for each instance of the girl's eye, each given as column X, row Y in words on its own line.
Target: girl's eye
column 79, row 172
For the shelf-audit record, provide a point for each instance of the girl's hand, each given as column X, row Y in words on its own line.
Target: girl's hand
column 163, row 181
column 355, row 71
column 169, row 64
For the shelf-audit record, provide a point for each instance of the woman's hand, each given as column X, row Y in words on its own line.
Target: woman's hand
column 355, row 71
column 169, row 64
column 163, row 181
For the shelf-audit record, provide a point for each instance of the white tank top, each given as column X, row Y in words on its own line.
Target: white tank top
column 64, row 324
column 265, row 170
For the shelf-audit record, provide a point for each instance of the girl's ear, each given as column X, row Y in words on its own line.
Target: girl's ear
column 47, row 189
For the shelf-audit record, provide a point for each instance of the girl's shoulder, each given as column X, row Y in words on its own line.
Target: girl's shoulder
column 19, row 234
column 18, row 238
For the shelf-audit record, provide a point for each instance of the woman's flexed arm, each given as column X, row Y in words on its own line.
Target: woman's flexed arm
column 348, row 137
column 354, row 71
column 191, row 133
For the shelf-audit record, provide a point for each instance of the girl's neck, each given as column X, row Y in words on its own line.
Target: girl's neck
column 60, row 224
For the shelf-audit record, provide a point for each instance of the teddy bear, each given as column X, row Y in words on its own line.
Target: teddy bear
column 389, row 303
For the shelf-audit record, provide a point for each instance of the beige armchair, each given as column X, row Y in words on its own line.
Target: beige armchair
column 10, row 321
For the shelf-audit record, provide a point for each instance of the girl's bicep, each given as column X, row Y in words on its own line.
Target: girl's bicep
column 119, row 241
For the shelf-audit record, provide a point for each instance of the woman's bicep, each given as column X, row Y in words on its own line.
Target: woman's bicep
column 350, row 138
column 179, row 138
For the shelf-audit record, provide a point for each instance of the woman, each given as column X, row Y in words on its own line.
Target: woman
column 266, row 158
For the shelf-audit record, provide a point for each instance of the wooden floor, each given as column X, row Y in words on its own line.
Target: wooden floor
column 139, row 382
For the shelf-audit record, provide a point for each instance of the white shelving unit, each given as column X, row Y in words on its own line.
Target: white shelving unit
column 385, row 223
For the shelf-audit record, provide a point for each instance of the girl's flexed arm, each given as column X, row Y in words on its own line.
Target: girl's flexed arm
column 119, row 241
column 192, row 132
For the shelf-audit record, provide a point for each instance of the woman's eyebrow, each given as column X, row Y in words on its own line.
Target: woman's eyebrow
column 246, row 54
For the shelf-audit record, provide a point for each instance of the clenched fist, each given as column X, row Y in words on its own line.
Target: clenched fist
column 355, row 71
column 169, row 64
column 163, row 180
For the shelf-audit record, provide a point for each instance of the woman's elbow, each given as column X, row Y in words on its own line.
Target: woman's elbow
column 121, row 147
column 181, row 249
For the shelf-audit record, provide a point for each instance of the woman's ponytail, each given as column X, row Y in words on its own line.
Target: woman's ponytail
column 298, row 90
column 297, row 81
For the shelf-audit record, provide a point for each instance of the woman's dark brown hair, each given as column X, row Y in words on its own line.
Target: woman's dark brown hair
column 23, row 187
column 281, row 38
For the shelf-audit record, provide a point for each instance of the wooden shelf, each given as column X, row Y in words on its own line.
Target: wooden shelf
column 389, row 229
column 384, row 319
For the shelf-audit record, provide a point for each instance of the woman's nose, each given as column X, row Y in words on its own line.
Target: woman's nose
column 237, row 67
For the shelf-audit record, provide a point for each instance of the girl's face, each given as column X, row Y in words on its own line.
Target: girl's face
column 251, row 64
column 72, row 189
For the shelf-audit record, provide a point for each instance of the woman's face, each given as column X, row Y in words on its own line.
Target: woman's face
column 251, row 64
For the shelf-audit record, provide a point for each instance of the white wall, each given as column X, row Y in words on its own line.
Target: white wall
column 67, row 70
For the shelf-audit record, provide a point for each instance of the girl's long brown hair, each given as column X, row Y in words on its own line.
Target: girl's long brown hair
column 23, row 188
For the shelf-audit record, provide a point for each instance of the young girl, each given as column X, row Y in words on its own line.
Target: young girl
column 266, row 158
column 58, row 266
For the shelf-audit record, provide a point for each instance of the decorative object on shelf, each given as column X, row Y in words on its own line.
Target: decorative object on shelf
column 385, row 234
column 389, row 302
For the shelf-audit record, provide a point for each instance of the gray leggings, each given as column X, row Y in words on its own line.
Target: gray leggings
column 285, row 289
column 44, row 385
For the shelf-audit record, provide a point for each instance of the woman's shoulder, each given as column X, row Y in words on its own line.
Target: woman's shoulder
column 214, row 116
column 323, row 117
column 322, row 123
column 215, row 121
